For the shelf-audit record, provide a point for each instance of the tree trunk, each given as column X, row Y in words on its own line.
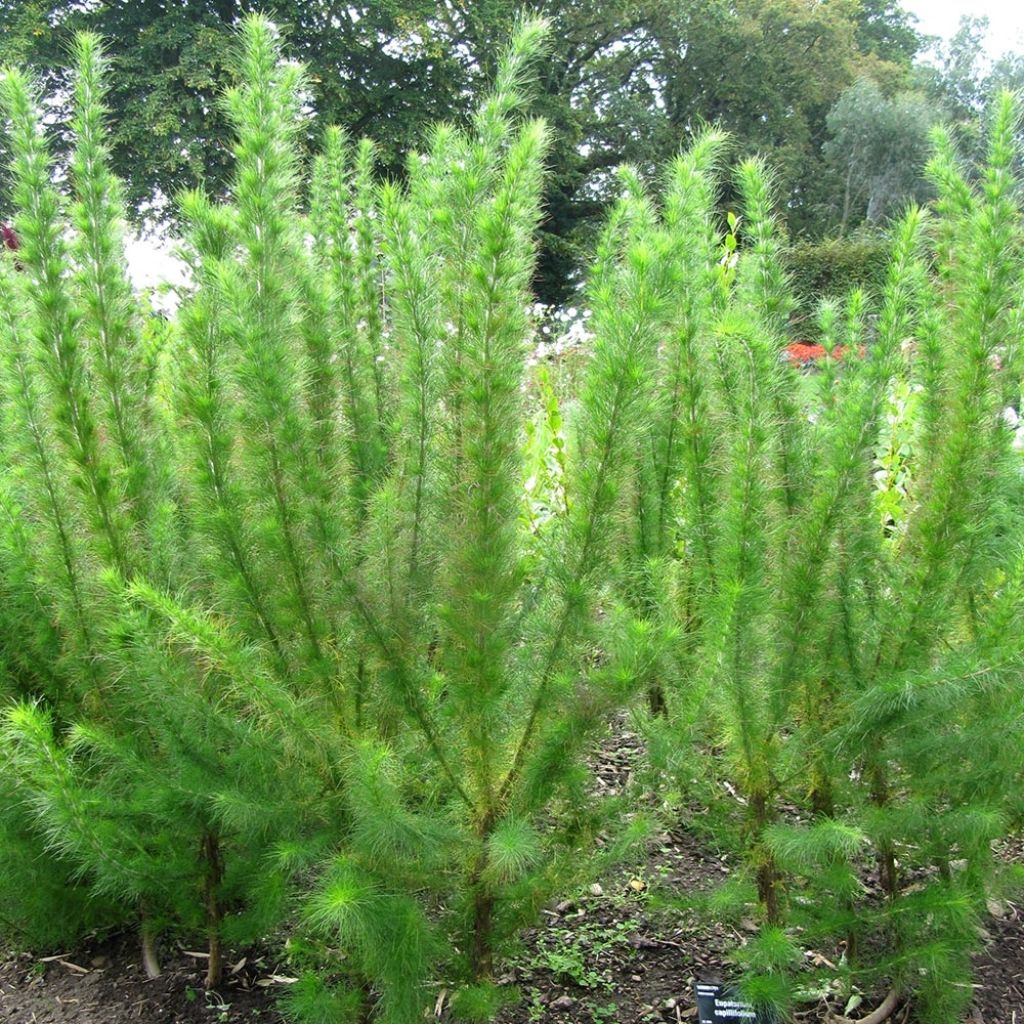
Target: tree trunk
column 846, row 204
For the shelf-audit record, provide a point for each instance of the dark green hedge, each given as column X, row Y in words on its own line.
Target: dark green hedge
column 834, row 266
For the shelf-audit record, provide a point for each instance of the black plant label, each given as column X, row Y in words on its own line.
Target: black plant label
column 721, row 1004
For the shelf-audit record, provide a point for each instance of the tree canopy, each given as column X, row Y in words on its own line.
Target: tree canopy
column 880, row 144
column 624, row 81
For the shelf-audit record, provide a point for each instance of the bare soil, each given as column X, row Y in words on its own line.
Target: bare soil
column 640, row 966
column 104, row 984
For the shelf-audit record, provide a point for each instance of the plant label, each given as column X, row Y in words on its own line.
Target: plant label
column 720, row 1004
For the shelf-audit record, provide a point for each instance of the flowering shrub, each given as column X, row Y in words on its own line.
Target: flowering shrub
column 802, row 353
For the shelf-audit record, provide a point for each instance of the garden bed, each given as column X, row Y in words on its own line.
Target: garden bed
column 601, row 959
column 604, row 957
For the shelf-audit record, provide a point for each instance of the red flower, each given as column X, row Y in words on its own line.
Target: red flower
column 802, row 353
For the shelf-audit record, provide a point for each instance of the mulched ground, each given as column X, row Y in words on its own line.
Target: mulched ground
column 603, row 957
column 999, row 977
column 608, row 958
column 105, row 984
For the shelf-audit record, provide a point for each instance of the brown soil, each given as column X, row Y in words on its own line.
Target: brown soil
column 602, row 959
column 639, row 965
column 999, row 974
column 999, row 969
column 607, row 956
column 105, row 984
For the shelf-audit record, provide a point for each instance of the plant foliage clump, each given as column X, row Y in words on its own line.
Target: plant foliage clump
column 285, row 640
column 863, row 668
column 300, row 646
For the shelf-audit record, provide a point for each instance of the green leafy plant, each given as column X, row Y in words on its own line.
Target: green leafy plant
column 811, row 633
column 312, row 642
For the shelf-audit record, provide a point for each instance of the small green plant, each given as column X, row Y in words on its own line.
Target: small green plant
column 536, row 1009
column 568, row 962
column 574, row 955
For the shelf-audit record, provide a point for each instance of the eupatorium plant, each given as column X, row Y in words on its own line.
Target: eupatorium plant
column 303, row 637
column 867, row 675
column 282, row 643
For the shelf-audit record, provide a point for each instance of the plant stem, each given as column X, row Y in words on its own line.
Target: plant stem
column 150, row 958
column 886, row 856
column 767, row 873
column 214, row 871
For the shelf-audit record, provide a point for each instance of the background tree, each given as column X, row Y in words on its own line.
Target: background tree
column 768, row 73
column 879, row 145
column 629, row 80
column 956, row 78
column 375, row 69
column 889, row 32
column 961, row 77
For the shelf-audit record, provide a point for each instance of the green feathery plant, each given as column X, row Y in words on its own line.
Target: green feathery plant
column 145, row 775
column 299, row 624
column 284, row 637
column 864, row 673
column 480, row 640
